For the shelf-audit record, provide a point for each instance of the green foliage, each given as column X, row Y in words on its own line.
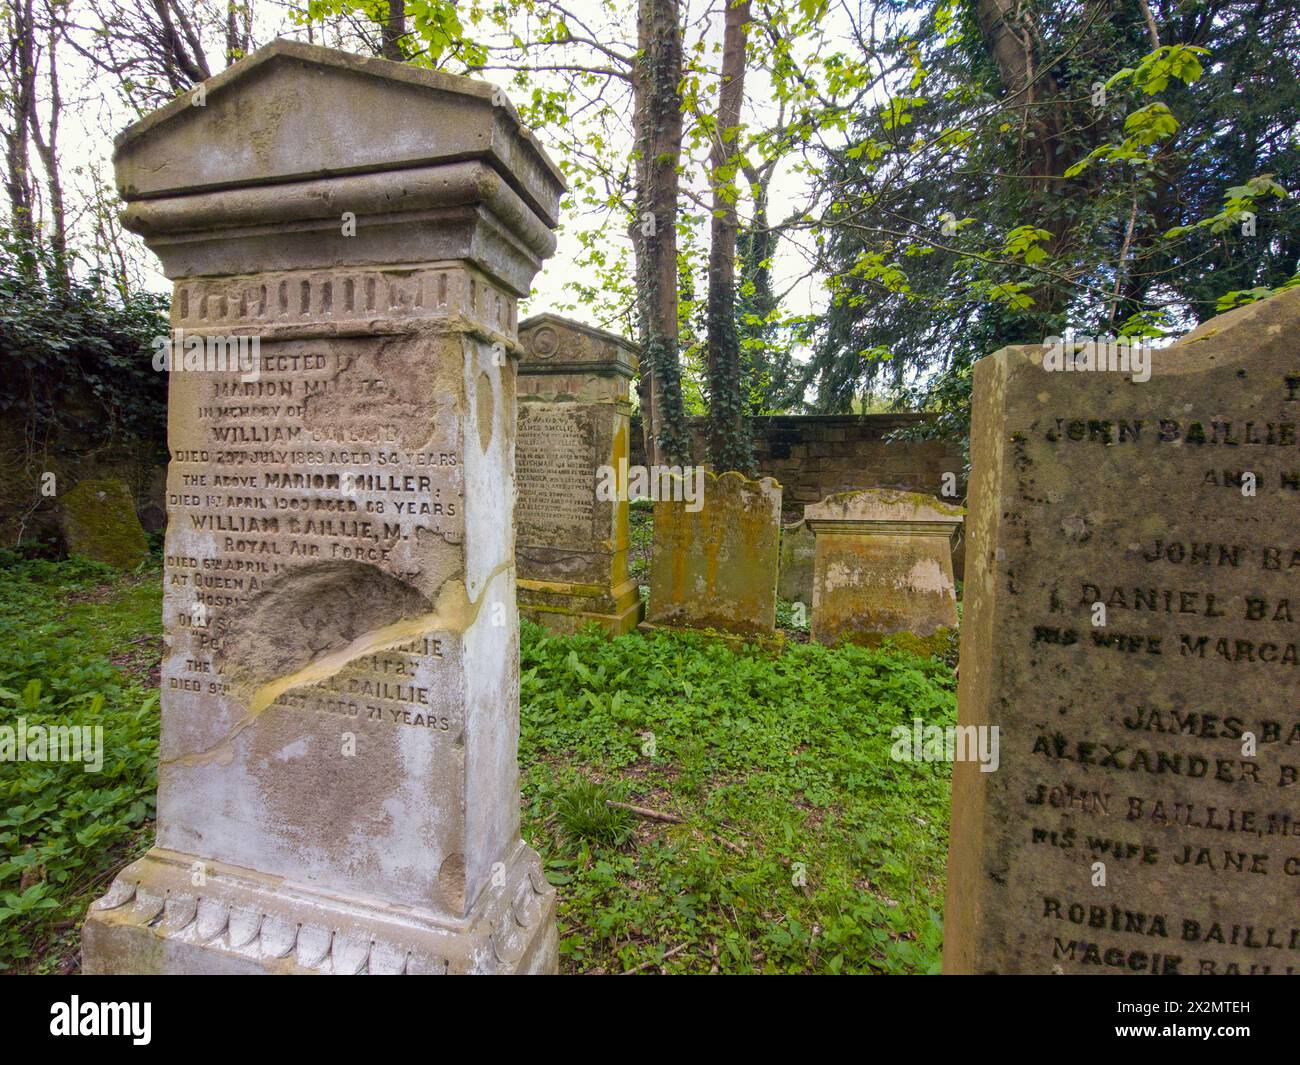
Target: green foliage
column 1111, row 204
column 1240, row 297
column 785, row 616
column 803, row 846
column 584, row 814
column 784, row 758
column 64, row 831
column 641, row 534
column 434, row 29
column 78, row 359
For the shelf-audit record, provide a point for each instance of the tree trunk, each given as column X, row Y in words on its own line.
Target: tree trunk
column 47, row 146
column 656, row 76
column 766, row 372
column 394, row 29
column 729, row 446
column 239, row 22
column 1009, row 35
column 18, row 182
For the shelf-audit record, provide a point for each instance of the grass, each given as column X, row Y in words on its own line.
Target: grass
column 787, row 839
column 79, row 645
column 801, row 847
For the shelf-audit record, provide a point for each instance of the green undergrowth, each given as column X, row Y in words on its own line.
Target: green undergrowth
column 79, row 646
column 786, row 838
column 640, row 538
column 802, row 846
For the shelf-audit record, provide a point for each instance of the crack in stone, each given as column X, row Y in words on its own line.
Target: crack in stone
column 453, row 612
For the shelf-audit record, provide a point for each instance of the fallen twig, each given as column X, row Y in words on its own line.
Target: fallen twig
column 655, row 961
column 645, row 811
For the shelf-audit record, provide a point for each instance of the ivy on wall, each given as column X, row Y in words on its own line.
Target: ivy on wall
column 77, row 360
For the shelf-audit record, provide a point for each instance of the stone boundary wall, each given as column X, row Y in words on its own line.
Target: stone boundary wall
column 813, row 456
column 140, row 464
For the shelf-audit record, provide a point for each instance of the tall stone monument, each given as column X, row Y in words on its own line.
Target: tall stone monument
column 1131, row 602
column 714, row 561
column 337, row 787
column 571, row 457
column 882, row 565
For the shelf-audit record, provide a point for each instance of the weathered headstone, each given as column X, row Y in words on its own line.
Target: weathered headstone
column 338, row 787
column 883, row 565
column 571, row 457
column 99, row 522
column 713, row 563
column 1130, row 627
column 794, row 579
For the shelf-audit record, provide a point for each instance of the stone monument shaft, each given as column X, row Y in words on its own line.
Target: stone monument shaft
column 338, row 788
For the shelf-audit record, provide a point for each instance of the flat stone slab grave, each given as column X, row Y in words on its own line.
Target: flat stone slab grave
column 882, row 565
column 1131, row 602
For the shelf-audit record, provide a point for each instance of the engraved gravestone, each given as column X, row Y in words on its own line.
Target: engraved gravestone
column 1132, row 599
column 571, row 457
column 714, row 561
column 337, row 787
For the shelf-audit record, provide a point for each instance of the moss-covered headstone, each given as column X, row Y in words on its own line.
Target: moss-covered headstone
column 1130, row 640
column 571, row 539
column 714, row 560
column 99, row 522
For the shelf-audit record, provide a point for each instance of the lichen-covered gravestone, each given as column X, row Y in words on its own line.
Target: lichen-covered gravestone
column 337, row 787
column 794, row 580
column 883, row 566
column 713, row 563
column 1132, row 628
column 571, row 456
column 99, row 522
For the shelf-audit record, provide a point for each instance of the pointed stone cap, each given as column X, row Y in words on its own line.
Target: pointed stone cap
column 433, row 166
column 884, row 511
column 560, row 345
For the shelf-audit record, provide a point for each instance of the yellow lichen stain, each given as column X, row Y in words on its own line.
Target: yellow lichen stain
column 484, row 405
column 564, row 588
column 620, row 538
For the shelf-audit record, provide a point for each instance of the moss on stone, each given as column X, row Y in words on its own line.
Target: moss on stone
column 100, row 523
column 941, row 642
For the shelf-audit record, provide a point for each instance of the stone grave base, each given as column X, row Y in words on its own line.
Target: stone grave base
column 155, row 920
column 565, row 608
